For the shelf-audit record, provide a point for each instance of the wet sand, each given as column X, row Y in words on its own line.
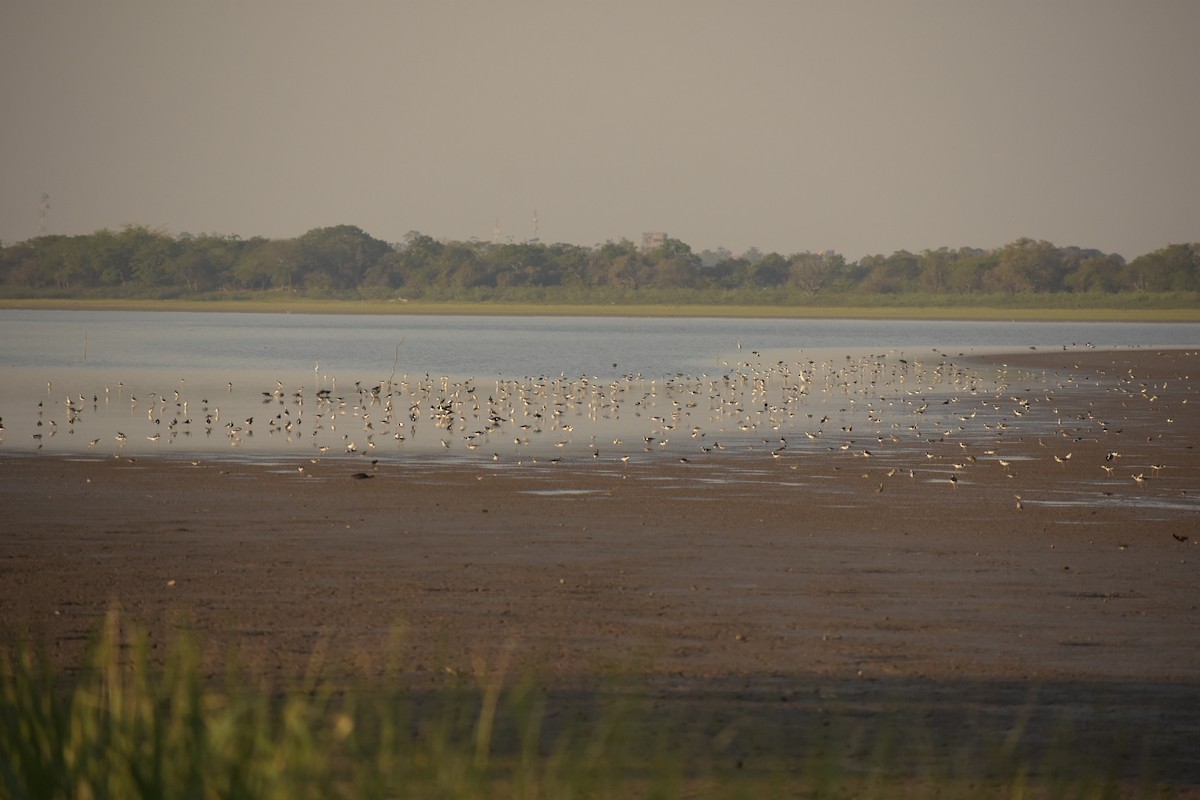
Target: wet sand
column 933, row 575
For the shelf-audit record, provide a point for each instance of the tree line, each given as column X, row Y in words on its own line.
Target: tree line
column 344, row 261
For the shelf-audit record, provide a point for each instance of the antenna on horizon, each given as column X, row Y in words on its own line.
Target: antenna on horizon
column 496, row 232
column 535, row 225
column 43, row 214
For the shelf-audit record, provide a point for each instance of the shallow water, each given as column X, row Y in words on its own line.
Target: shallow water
column 353, row 347
column 281, row 386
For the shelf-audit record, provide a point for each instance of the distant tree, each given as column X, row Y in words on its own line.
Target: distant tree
column 68, row 260
column 1173, row 268
column 106, row 259
column 614, row 264
column 339, row 256
column 268, row 264
column 1098, row 273
column 385, row 273
column 812, row 272
column 414, row 262
column 145, row 253
column 968, row 270
column 729, row 273
column 673, row 265
column 936, row 267
column 1027, row 266
column 627, row 272
column 458, row 266
column 522, row 264
column 21, row 266
column 569, row 263
column 206, row 262
column 769, row 271
column 895, row 273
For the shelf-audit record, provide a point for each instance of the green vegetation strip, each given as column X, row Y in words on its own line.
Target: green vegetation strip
column 310, row 306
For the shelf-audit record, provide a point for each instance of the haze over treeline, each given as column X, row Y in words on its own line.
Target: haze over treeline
column 862, row 127
column 344, row 261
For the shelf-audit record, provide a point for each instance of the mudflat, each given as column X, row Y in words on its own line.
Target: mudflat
column 978, row 573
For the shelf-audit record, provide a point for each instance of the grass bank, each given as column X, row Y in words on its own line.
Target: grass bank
column 292, row 305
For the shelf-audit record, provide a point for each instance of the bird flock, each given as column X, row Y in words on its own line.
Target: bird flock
column 925, row 416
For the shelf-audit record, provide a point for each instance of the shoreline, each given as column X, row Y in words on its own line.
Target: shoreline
column 376, row 307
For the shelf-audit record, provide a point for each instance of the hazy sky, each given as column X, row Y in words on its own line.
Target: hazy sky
column 865, row 127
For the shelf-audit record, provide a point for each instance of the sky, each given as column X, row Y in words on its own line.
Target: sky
column 861, row 126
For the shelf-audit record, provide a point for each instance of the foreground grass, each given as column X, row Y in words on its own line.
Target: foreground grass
column 123, row 729
column 298, row 305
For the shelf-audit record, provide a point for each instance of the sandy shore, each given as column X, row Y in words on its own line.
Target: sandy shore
column 1034, row 570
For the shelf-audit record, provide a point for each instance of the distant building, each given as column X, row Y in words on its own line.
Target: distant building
column 653, row 241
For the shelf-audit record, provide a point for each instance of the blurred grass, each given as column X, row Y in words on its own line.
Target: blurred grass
column 122, row 729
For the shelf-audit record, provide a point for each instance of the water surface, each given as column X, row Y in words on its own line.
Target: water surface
column 233, row 385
